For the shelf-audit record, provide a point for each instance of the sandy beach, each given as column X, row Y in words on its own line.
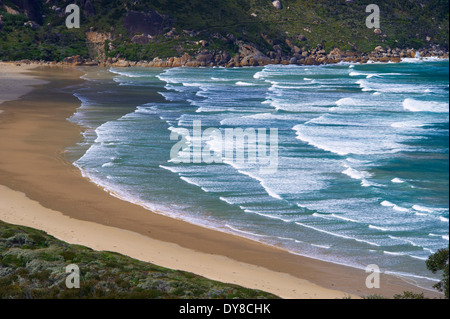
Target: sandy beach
column 42, row 189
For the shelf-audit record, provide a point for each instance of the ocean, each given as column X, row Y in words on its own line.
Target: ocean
column 362, row 155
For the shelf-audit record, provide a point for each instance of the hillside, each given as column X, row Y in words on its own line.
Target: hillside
column 33, row 264
column 215, row 31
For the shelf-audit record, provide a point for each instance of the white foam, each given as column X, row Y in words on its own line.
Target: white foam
column 367, row 86
column 355, row 174
column 243, row 231
column 344, row 218
column 219, row 79
column 442, row 236
column 406, row 240
column 127, row 74
column 321, row 246
column 259, row 75
column 395, row 207
column 359, row 175
column 407, row 124
column 109, row 164
column 268, row 116
column 226, row 200
column 393, row 253
column 193, row 84
column 400, row 209
column 367, row 75
column 241, row 83
column 397, row 181
column 189, row 181
column 172, row 169
column 422, row 209
column 311, row 141
column 378, row 228
column 366, row 183
column 417, row 257
column 146, row 110
column 261, row 181
column 425, row 106
column 321, row 216
column 337, row 235
column 423, row 59
column 346, row 101
column 268, row 216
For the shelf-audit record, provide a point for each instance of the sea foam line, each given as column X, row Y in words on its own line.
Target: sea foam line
column 261, row 181
column 337, row 235
column 243, row 231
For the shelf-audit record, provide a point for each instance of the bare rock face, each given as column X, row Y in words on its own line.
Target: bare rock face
column 277, row 4
column 181, row 61
column 296, row 49
column 335, row 54
column 151, row 23
column 222, row 58
column 121, row 64
column 249, row 61
column 251, row 56
column 205, row 58
column 74, row 60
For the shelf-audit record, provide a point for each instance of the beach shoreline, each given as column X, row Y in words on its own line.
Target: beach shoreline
column 36, row 133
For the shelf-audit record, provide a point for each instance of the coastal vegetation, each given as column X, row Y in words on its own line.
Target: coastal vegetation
column 33, row 265
column 142, row 30
column 438, row 262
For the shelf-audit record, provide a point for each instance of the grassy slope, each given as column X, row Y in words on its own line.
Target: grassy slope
column 32, row 265
column 332, row 23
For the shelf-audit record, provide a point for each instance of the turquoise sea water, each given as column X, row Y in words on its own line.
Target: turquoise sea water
column 362, row 155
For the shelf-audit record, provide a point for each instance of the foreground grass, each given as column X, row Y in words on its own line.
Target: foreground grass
column 33, row 264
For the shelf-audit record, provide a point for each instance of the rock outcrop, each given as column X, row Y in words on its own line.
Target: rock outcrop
column 74, row 60
column 251, row 56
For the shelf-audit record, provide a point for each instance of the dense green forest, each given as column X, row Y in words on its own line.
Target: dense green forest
column 36, row 29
